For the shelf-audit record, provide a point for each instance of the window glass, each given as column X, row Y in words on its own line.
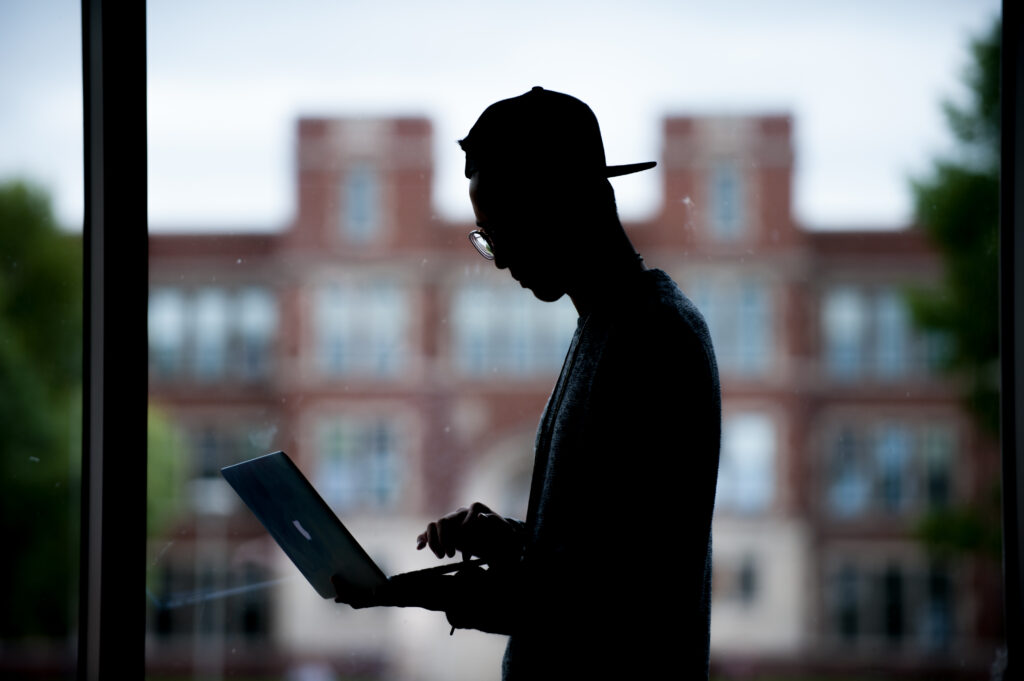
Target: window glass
column 313, row 291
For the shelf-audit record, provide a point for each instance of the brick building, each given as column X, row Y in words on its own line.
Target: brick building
column 406, row 376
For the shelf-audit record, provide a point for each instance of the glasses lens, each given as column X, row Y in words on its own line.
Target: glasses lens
column 481, row 243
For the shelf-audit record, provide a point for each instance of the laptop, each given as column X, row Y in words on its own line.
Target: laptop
column 305, row 527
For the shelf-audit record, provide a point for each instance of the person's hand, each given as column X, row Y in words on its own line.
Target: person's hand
column 357, row 598
column 475, row 531
column 430, row 591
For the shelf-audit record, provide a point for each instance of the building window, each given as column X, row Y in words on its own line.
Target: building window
column 738, row 312
column 848, row 486
column 210, row 313
column 212, row 333
column 746, row 472
column 178, row 608
column 906, row 606
column 889, row 469
column 257, row 319
column 892, row 356
column 361, row 329
column 847, row 603
column 359, row 463
column 360, row 205
column 868, row 333
column 166, row 332
column 846, row 322
column 501, row 330
column 937, row 449
column 736, row 581
column 726, row 201
column 892, row 463
column 937, row 619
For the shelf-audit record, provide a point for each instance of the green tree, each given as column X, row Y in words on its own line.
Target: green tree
column 40, row 421
column 40, row 414
column 957, row 205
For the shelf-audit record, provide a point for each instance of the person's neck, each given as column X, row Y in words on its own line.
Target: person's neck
column 606, row 276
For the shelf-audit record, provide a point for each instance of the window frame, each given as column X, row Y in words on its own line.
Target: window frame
column 112, row 614
column 1011, row 297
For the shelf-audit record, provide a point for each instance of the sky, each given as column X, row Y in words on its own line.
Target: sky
column 227, row 79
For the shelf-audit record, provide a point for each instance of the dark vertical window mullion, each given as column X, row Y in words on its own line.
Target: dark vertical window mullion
column 1012, row 329
column 112, row 621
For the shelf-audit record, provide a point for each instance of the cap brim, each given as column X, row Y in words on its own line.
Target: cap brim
column 616, row 171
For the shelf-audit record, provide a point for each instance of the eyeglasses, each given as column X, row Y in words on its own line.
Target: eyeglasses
column 482, row 243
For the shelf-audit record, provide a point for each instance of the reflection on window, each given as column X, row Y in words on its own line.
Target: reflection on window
column 361, row 329
column 902, row 605
column 211, row 334
column 892, row 468
column 738, row 313
column 746, row 473
column 727, row 200
column 498, row 329
column 360, row 203
column 178, row 610
column 359, row 463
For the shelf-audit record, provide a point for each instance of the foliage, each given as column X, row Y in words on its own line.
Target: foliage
column 958, row 207
column 40, row 414
column 965, row 529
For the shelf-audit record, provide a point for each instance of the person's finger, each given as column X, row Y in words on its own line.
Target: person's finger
column 421, row 540
column 450, row 531
column 452, row 536
column 477, row 508
column 434, row 540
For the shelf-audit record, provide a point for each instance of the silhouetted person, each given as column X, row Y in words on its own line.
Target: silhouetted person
column 609, row 576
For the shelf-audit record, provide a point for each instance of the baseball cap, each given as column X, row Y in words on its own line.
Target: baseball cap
column 544, row 132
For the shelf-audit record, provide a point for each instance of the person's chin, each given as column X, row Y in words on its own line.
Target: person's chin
column 546, row 294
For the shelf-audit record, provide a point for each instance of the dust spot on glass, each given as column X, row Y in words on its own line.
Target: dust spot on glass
column 238, row 262
column 690, row 207
column 34, row 459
